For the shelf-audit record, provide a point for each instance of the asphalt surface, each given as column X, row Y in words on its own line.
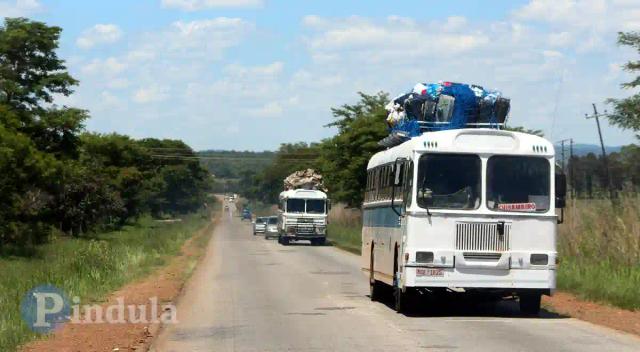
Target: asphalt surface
column 252, row 294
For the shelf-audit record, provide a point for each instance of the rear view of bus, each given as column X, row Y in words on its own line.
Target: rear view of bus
column 469, row 210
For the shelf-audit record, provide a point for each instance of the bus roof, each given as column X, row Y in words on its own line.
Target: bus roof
column 469, row 140
column 303, row 193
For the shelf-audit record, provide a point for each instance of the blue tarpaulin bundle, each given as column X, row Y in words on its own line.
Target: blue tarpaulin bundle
column 446, row 105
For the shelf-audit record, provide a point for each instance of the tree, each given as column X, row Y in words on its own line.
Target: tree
column 344, row 157
column 30, row 70
column 627, row 111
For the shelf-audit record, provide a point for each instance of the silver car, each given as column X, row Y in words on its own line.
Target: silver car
column 260, row 225
column 272, row 227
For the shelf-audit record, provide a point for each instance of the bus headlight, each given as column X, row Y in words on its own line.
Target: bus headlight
column 539, row 259
column 424, row 257
column 320, row 230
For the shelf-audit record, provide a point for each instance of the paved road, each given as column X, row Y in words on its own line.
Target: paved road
column 250, row 294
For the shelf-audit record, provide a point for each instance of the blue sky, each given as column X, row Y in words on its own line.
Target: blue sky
column 251, row 74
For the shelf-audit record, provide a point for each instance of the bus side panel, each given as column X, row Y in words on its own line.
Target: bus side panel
column 381, row 229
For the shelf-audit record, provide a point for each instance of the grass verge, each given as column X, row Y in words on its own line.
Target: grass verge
column 88, row 267
column 345, row 236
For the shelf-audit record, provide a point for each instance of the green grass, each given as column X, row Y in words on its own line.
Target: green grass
column 346, row 236
column 88, row 268
column 599, row 246
column 603, row 281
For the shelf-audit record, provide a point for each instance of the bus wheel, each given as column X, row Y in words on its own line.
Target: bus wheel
column 284, row 241
column 530, row 303
column 375, row 287
column 400, row 300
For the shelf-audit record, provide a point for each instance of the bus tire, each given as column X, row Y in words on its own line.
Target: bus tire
column 284, row 241
column 375, row 287
column 375, row 291
column 399, row 300
column 530, row 303
column 319, row 242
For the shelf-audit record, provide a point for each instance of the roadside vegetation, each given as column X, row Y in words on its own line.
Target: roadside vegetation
column 79, row 210
column 599, row 246
column 90, row 267
column 345, row 228
column 55, row 176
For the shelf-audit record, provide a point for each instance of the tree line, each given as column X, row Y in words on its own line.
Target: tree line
column 56, row 176
column 342, row 159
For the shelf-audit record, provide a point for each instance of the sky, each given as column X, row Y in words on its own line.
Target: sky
column 251, row 74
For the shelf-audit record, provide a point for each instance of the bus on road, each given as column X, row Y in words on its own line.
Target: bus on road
column 465, row 210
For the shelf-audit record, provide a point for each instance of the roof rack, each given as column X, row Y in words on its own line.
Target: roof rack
column 398, row 136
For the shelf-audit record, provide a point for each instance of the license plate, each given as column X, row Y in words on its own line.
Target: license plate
column 429, row 272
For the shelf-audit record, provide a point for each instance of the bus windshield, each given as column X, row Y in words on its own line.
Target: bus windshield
column 518, row 183
column 449, row 181
column 295, row 205
column 315, row 206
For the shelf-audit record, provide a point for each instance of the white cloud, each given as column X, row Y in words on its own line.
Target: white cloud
column 272, row 69
column 186, row 70
column 588, row 24
column 203, row 37
column 107, row 67
column 99, row 34
column 388, row 41
column 196, row 5
column 152, row 94
column 19, row 8
column 270, row 109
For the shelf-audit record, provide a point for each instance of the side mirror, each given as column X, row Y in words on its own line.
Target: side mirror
column 561, row 190
column 425, row 193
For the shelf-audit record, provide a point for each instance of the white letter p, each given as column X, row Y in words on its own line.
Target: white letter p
column 41, row 307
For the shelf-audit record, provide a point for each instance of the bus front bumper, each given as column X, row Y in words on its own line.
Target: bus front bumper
column 476, row 278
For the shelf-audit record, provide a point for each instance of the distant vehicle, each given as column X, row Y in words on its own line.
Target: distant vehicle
column 246, row 215
column 260, row 225
column 272, row 227
column 226, row 207
column 469, row 209
column 303, row 216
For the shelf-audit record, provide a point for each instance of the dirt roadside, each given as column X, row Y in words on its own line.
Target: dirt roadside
column 570, row 305
column 165, row 283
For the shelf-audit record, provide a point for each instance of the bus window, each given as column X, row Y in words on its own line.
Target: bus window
column 449, row 181
column 315, row 206
column 295, row 205
column 518, row 183
column 408, row 184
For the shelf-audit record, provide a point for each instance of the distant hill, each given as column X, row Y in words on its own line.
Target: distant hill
column 231, row 164
column 584, row 149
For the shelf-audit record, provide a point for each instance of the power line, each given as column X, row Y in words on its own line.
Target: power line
column 184, row 157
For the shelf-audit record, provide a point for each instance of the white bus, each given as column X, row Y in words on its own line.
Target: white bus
column 302, row 215
column 466, row 210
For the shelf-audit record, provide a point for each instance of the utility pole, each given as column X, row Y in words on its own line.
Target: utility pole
column 562, row 157
column 563, row 164
column 571, row 162
column 604, row 153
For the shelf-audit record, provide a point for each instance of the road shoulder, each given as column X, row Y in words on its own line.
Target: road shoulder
column 165, row 284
